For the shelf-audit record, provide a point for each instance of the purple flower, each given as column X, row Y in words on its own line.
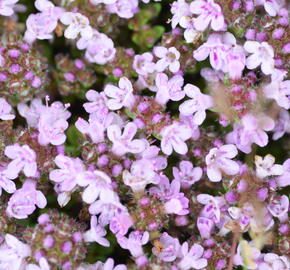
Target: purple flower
column 169, row 89
column 261, row 54
column 196, row 105
column 72, row 171
column 96, row 233
column 177, row 205
column 170, row 248
column 6, row 7
column 179, row 9
column 124, row 8
column 121, row 223
column 22, row 203
column 99, row 48
column 218, row 160
column 187, row 174
column 24, row 158
column 169, row 58
column 278, row 206
column 107, row 265
column 191, row 258
column 143, row 64
column 134, row 242
column 124, row 143
column 77, row 24
column 5, row 110
column 174, row 137
column 5, row 183
column 284, row 179
column 209, row 13
column 121, row 96
column 205, row 226
column 13, row 253
column 272, row 261
column 266, row 167
column 165, row 190
column 282, row 125
column 97, row 103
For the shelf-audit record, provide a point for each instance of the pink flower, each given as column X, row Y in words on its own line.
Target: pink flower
column 6, row 7
column 165, row 190
column 124, row 8
column 205, row 227
column 218, row 160
column 191, row 258
column 284, row 179
column 196, row 105
column 5, row 110
column 177, row 205
column 170, row 250
column 272, row 261
column 13, row 253
column 43, row 265
column 169, row 58
column 273, row 7
column 174, row 137
column 107, row 265
column 278, row 89
column 278, row 207
column 121, row 96
column 124, row 143
column 251, row 131
column 169, row 89
column 93, row 128
column 5, row 183
column 99, row 48
column 266, row 167
column 282, row 125
column 97, row 184
column 22, row 203
column 187, row 174
column 209, row 13
column 261, row 54
column 120, row 224
column 96, row 2
column 134, row 242
column 143, row 64
column 96, row 233
column 24, row 158
column 179, row 9
column 77, row 24
column 70, row 173
column 97, row 103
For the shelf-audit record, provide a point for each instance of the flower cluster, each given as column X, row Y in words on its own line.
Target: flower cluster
column 142, row 135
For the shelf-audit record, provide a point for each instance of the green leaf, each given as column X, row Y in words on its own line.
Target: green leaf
column 157, row 136
column 130, row 114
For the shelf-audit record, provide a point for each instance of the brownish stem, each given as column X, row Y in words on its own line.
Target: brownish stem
column 233, row 250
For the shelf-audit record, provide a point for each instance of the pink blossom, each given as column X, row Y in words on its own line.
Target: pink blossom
column 252, row 130
column 97, row 103
column 177, row 205
column 134, row 242
column 5, row 183
column 284, row 179
column 196, row 105
column 99, row 48
column 209, row 13
column 187, row 174
column 278, row 89
column 191, row 258
column 261, row 54
column 96, row 233
column 22, row 203
column 143, row 64
column 272, row 261
column 170, row 250
column 6, row 7
column 121, row 96
column 169, row 89
column 107, row 265
column 165, row 190
column 218, row 160
column 24, row 158
column 205, row 226
column 272, row 7
column 77, row 24
column 179, row 9
column 124, row 143
column 120, row 224
column 94, row 129
column 124, row 8
column 169, row 58
column 278, row 207
column 72, row 171
column 174, row 137
column 266, row 167
column 13, row 253
column 5, row 110
column 43, row 265
column 282, row 125
column 97, row 184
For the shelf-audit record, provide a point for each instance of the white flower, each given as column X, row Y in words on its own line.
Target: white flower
column 266, row 167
